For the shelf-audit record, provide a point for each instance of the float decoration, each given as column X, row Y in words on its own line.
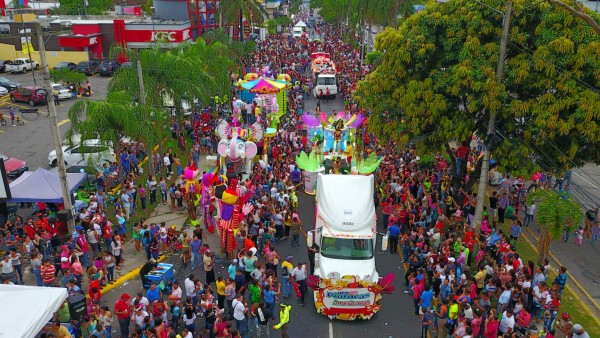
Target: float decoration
column 334, row 131
column 311, row 164
column 366, row 166
column 349, row 298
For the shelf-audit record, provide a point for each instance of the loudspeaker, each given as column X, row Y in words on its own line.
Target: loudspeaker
column 64, row 215
column 77, row 306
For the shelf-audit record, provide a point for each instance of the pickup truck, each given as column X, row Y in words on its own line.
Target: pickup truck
column 21, row 65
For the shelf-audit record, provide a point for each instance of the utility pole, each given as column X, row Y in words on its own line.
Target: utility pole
column 143, row 102
column 485, row 166
column 62, row 171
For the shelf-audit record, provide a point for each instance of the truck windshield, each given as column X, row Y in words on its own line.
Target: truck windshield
column 347, row 248
column 326, row 81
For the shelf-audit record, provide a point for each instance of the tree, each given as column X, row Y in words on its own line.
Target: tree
column 237, row 50
column 235, row 11
column 111, row 119
column 436, row 83
column 170, row 74
column 555, row 214
column 78, row 7
column 67, row 75
column 579, row 12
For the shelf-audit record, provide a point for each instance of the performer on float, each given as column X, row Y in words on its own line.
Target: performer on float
column 337, row 135
column 349, row 152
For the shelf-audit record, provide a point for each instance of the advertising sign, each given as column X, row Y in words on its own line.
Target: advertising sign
column 349, row 298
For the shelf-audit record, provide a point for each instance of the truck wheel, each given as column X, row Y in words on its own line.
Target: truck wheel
column 37, row 66
column 31, row 103
column 54, row 163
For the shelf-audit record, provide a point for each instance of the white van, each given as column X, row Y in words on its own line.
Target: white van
column 325, row 84
column 297, row 32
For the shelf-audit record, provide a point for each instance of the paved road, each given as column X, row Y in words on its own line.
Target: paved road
column 581, row 261
column 393, row 320
column 32, row 141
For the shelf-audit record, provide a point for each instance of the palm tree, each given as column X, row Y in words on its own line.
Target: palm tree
column 237, row 51
column 168, row 74
column 555, row 213
column 235, row 11
column 111, row 119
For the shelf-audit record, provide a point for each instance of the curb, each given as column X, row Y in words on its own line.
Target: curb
column 124, row 278
column 579, row 286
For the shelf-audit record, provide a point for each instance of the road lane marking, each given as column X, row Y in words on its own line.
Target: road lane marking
column 330, row 330
column 588, row 182
column 63, row 122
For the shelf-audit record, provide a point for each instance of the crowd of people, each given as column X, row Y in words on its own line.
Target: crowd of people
column 456, row 291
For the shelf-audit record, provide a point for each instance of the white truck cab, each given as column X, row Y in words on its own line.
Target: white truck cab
column 346, row 233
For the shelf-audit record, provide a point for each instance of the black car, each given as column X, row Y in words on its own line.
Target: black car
column 68, row 65
column 88, row 67
column 8, row 84
column 108, row 68
column 3, row 65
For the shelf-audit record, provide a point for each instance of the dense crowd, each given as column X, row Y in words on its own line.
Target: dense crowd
column 456, row 290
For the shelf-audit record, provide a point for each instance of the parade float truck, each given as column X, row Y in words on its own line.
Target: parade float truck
column 345, row 282
column 324, row 74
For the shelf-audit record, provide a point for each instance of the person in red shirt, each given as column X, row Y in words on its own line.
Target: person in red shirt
column 461, row 155
column 47, row 272
column 30, row 228
column 248, row 243
column 123, row 313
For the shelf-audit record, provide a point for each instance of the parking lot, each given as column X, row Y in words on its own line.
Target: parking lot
column 32, row 141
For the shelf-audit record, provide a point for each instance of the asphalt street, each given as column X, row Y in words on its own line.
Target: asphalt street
column 32, row 141
column 393, row 320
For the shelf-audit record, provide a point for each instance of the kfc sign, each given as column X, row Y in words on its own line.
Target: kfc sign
column 174, row 36
column 161, row 36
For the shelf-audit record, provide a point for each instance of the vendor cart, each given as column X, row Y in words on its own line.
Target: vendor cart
column 163, row 276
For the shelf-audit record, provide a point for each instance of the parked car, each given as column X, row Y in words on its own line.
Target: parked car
column 61, row 92
column 8, row 84
column 90, row 151
column 14, row 167
column 88, row 67
column 3, row 65
column 3, row 91
column 21, row 65
column 108, row 68
column 32, row 95
column 68, row 65
column 126, row 64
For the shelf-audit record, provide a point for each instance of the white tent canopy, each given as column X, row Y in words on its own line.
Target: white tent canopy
column 28, row 309
column 300, row 24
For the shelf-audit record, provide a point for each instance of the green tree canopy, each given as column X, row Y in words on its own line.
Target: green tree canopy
column 186, row 72
column 76, row 7
column 67, row 75
column 437, row 81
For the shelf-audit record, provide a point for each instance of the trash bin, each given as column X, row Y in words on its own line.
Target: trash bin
column 77, row 306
